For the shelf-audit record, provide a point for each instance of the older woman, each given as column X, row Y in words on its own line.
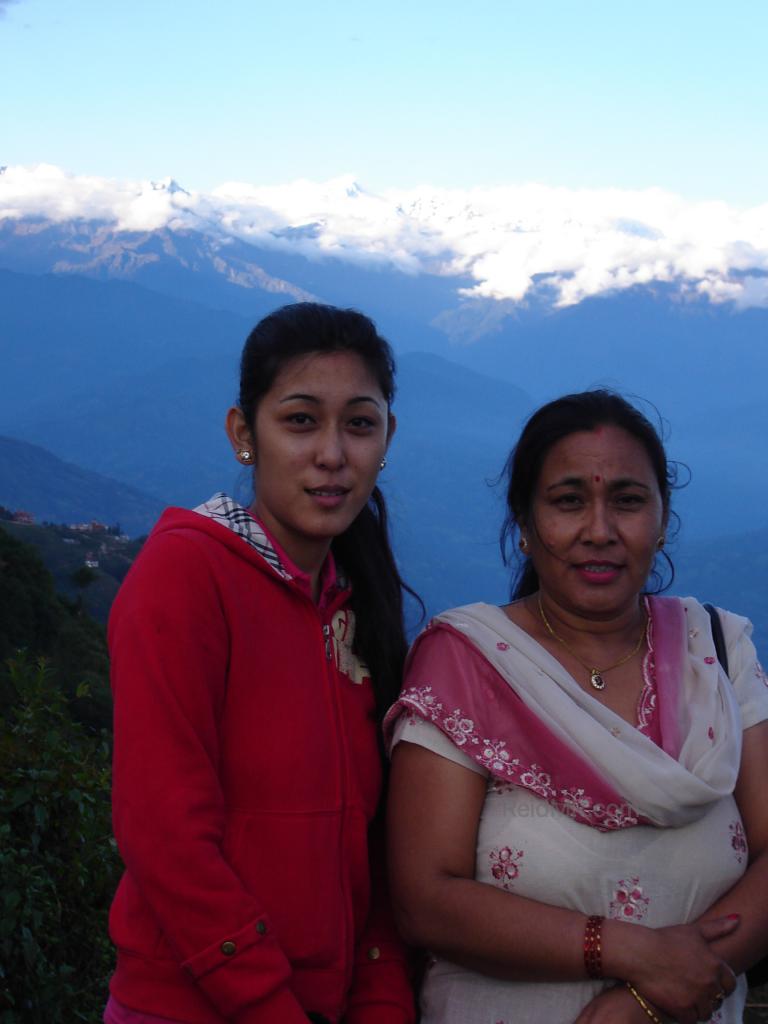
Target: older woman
column 577, row 816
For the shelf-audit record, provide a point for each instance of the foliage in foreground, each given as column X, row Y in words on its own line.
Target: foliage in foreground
column 33, row 617
column 58, row 864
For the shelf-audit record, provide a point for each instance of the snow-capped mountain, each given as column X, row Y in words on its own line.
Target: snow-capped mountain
column 508, row 244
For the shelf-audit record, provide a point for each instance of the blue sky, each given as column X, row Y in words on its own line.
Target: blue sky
column 579, row 94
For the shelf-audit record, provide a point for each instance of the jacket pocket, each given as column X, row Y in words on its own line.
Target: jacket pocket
column 292, row 865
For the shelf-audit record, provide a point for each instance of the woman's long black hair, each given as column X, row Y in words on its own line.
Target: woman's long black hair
column 363, row 551
column 571, row 414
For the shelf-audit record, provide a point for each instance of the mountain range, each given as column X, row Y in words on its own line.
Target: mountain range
column 119, row 344
column 34, row 480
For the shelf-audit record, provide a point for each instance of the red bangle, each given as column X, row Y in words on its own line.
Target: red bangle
column 593, row 952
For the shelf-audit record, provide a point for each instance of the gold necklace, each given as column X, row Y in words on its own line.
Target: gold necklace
column 596, row 680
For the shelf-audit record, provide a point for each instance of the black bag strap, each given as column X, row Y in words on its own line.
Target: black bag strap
column 718, row 636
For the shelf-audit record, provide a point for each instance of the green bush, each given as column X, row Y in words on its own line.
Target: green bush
column 29, row 608
column 58, row 863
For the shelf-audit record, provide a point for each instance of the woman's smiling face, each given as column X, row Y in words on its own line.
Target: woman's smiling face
column 595, row 522
column 319, row 436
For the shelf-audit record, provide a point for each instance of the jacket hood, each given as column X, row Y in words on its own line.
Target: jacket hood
column 229, row 523
column 232, row 525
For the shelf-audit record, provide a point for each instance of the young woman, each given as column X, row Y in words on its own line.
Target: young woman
column 254, row 651
column 578, row 824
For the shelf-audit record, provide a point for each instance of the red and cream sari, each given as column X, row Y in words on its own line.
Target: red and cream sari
column 584, row 810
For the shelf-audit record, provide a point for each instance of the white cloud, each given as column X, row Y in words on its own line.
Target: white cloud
column 582, row 242
column 46, row 191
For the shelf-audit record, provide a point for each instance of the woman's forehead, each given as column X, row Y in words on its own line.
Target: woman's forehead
column 606, row 451
column 325, row 375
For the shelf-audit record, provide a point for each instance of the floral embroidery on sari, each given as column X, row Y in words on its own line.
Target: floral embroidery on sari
column 505, row 866
column 738, row 840
column 647, row 703
column 492, row 754
column 629, row 902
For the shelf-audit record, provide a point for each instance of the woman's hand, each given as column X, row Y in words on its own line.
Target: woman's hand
column 614, row 1006
column 675, row 968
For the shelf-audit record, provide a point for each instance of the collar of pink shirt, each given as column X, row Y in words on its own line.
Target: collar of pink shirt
column 329, row 579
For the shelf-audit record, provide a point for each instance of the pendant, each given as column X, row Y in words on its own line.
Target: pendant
column 596, row 680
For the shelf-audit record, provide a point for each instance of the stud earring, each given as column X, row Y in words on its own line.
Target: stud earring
column 524, row 545
column 661, row 542
column 383, row 463
column 245, row 456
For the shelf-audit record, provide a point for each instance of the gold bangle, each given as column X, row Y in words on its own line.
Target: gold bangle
column 643, row 1004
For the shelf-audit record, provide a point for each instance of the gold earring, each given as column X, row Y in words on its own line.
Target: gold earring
column 245, row 456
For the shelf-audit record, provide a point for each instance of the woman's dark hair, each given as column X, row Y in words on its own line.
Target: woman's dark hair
column 363, row 550
column 572, row 414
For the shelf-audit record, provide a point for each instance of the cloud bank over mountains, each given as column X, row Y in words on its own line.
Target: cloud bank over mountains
column 510, row 242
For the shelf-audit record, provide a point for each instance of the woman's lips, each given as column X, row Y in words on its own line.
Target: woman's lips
column 328, row 497
column 598, row 572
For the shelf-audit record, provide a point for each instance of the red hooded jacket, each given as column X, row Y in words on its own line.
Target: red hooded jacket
column 246, row 776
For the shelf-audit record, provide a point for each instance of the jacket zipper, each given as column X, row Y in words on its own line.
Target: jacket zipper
column 327, row 636
column 348, row 928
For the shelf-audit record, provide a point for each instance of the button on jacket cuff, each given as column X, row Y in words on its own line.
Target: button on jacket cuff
column 248, row 961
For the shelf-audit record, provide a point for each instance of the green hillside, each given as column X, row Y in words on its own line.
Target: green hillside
column 64, row 551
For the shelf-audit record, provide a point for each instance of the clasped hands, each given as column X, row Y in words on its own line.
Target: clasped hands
column 676, row 972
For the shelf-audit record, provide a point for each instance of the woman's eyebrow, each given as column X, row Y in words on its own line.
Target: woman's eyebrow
column 627, row 481
column 365, row 398
column 298, row 397
column 567, row 481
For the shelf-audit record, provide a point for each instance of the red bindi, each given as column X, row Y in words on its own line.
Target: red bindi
column 597, row 479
